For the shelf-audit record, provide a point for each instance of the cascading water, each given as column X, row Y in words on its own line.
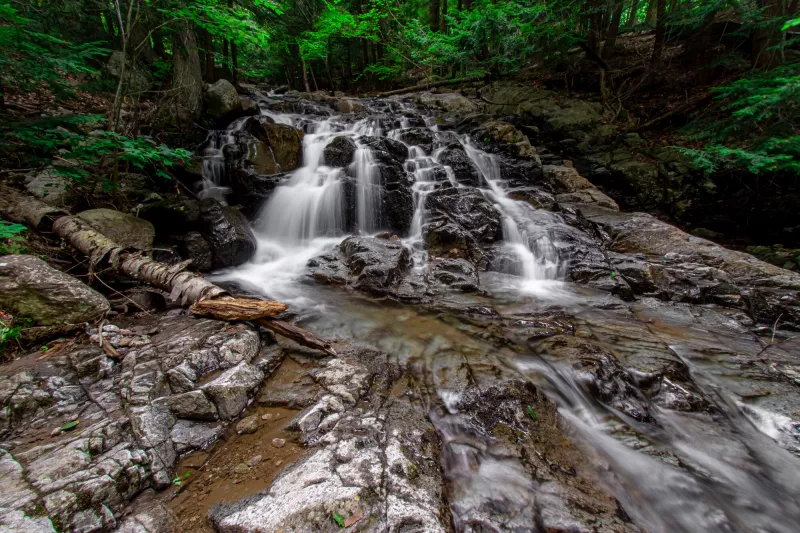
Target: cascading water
column 537, row 258
column 715, row 470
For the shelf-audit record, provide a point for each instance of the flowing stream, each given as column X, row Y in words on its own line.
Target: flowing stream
column 731, row 467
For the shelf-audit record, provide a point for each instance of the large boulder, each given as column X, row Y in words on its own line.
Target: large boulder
column 505, row 138
column 137, row 76
column 339, row 152
column 278, row 148
column 222, row 100
column 463, row 168
column 446, row 101
column 227, row 232
column 49, row 186
column 31, row 288
column 122, row 228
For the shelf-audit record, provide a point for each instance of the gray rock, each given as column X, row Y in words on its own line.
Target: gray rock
column 247, row 425
column 30, row 287
column 122, row 228
column 137, row 76
column 222, row 100
column 189, row 436
column 49, row 186
column 12, row 521
column 192, row 405
column 231, row 390
column 156, row 518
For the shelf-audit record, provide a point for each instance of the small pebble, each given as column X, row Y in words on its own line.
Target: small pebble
column 110, row 327
column 279, row 443
column 241, row 468
column 254, row 461
column 267, row 416
column 278, row 463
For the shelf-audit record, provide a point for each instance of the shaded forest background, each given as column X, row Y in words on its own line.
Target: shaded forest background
column 115, row 84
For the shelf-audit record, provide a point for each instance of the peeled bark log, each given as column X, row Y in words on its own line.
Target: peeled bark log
column 186, row 287
column 238, row 308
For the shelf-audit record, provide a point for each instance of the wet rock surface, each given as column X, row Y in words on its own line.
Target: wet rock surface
column 83, row 434
column 640, row 379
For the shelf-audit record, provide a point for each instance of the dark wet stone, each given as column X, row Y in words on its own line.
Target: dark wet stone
column 339, row 152
column 228, row 233
column 463, row 169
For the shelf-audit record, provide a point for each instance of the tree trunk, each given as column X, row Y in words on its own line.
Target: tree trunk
column 182, row 286
column 652, row 13
column 305, row 75
column 595, row 25
column 235, row 62
column 187, row 80
column 468, row 5
column 613, row 30
column 433, row 12
column 443, row 23
column 632, row 20
column 209, row 46
column 661, row 31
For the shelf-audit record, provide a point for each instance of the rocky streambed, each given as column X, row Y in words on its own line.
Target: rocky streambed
column 514, row 352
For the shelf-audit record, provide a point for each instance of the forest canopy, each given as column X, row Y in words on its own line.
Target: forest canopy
column 744, row 51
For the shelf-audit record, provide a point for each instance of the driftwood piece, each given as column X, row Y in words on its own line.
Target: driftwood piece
column 426, row 86
column 186, row 287
column 238, row 308
column 299, row 335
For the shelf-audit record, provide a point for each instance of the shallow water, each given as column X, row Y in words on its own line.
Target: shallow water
column 690, row 440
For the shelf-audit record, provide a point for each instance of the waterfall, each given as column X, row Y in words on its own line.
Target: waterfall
column 537, row 260
column 368, row 190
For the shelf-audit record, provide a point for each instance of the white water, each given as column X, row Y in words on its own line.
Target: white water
column 537, row 262
column 305, row 215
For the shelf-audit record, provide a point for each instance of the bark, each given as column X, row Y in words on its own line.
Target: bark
column 632, row 20
column 185, row 287
column 613, row 30
column 433, row 12
column 595, row 24
column 305, row 76
column 661, row 31
column 443, row 23
column 238, row 309
column 651, row 17
column 426, row 86
column 187, row 77
column 209, row 46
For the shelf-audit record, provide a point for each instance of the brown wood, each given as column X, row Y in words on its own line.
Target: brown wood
column 299, row 335
column 426, row 86
column 238, row 308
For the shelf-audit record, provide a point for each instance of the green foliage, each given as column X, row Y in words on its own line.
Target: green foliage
column 80, row 153
column 339, row 519
column 11, row 238
column 11, row 330
column 29, row 56
column 178, row 480
column 758, row 132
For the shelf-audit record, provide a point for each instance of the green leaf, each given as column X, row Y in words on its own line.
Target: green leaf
column 531, row 413
column 339, row 519
column 70, row 425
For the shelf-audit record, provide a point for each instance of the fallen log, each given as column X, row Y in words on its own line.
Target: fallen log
column 426, row 86
column 183, row 286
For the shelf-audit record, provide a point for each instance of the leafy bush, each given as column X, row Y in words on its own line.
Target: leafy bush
column 759, row 130
column 11, row 238
column 80, row 152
